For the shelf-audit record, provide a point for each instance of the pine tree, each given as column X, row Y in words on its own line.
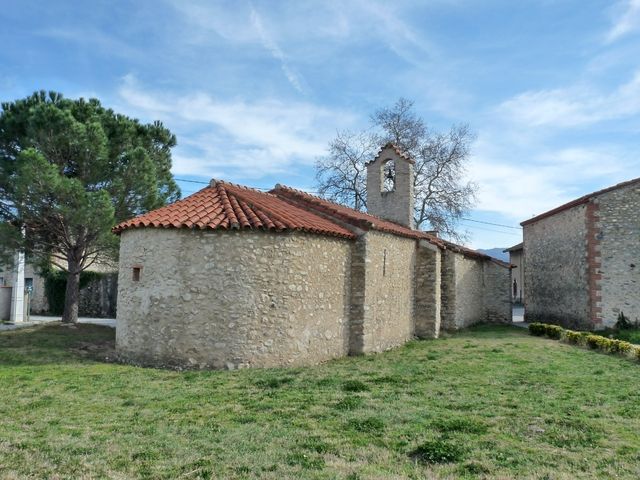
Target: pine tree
column 69, row 171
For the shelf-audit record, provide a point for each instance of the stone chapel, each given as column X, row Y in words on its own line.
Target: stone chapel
column 232, row 277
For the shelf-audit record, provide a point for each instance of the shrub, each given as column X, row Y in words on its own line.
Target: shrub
column 541, row 329
column 55, row 286
column 598, row 342
column 438, row 451
column 622, row 323
column 575, row 338
column 554, row 331
column 537, row 329
column 593, row 341
column 620, row 346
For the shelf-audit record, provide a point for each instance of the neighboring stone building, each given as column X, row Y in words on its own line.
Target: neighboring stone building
column 582, row 260
column 516, row 259
column 231, row 277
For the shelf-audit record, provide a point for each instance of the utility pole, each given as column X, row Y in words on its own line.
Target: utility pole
column 17, row 291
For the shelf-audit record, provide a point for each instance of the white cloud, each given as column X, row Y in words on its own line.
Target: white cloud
column 277, row 53
column 518, row 181
column 237, row 137
column 627, row 20
column 573, row 106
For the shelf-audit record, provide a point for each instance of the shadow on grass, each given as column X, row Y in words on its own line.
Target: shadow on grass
column 56, row 343
column 490, row 331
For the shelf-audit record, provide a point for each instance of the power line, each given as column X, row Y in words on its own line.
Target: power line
column 489, row 223
column 475, row 227
column 190, row 181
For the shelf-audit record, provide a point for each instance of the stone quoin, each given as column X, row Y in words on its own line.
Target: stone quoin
column 582, row 260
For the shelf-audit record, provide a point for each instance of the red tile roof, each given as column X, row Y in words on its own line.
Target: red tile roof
column 366, row 221
column 348, row 215
column 579, row 201
column 227, row 206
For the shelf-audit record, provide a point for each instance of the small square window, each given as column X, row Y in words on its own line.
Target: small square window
column 136, row 273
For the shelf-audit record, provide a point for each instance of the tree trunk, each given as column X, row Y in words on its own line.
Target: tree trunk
column 72, row 295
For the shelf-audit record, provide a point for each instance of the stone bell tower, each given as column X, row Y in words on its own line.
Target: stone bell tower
column 390, row 186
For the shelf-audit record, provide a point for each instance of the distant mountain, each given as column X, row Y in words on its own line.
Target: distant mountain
column 496, row 253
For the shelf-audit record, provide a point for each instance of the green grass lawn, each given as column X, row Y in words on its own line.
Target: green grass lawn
column 492, row 402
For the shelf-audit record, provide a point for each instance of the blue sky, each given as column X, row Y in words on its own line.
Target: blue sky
column 255, row 90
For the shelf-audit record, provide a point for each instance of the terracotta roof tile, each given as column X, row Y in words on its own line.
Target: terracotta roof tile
column 366, row 221
column 227, row 206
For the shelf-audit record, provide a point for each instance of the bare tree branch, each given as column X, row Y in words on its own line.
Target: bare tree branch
column 442, row 195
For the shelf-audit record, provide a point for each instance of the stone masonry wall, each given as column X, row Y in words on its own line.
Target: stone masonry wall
column 232, row 299
column 516, row 258
column 469, row 285
column 427, row 310
column 448, row 291
column 384, row 297
column 619, row 239
column 396, row 205
column 497, row 293
column 556, row 269
column 99, row 297
column 473, row 291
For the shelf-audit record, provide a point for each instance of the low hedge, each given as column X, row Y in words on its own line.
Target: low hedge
column 593, row 341
column 542, row 329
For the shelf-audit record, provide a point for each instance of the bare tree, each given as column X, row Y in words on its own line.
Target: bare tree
column 442, row 195
column 341, row 176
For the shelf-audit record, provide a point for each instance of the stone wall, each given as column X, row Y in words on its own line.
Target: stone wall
column 240, row 299
column 556, row 269
column 99, row 297
column 396, row 205
column 619, row 251
column 448, row 291
column 427, row 309
column 497, row 293
column 232, row 299
column 469, row 308
column 474, row 291
column 387, row 291
column 516, row 259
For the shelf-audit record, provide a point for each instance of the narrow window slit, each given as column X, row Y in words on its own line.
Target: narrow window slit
column 136, row 273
